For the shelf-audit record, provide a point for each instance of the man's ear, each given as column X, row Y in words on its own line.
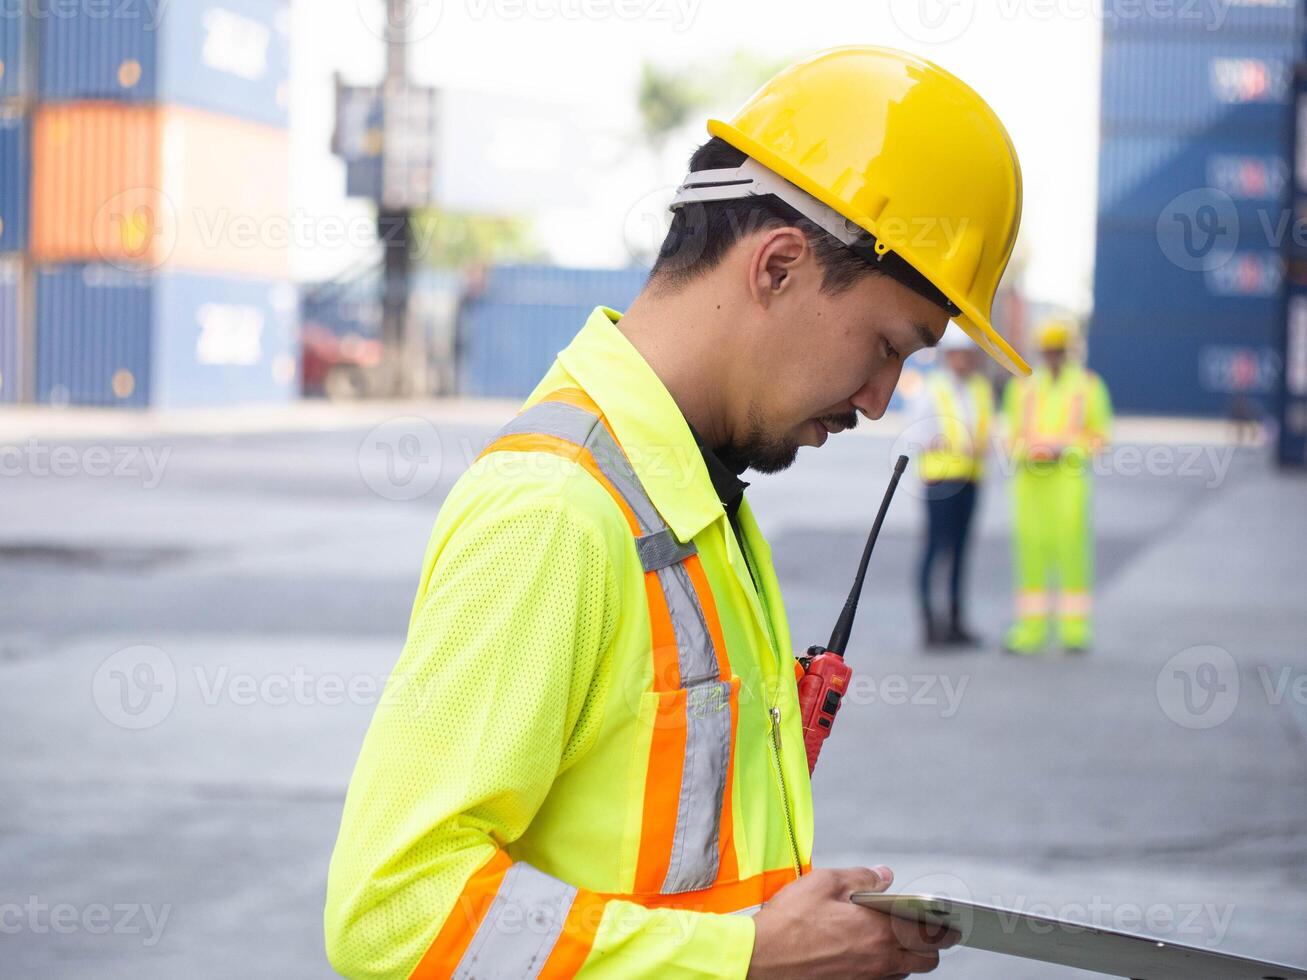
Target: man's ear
column 774, row 259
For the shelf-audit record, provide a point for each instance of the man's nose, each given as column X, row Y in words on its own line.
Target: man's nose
column 872, row 399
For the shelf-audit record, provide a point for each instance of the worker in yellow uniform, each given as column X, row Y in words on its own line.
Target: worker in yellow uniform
column 1057, row 420
column 952, row 417
column 589, row 758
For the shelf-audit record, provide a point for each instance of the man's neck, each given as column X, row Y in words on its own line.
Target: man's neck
column 677, row 335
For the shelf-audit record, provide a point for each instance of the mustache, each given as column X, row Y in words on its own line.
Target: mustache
column 847, row 420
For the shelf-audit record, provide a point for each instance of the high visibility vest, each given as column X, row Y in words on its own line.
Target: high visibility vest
column 1060, row 411
column 686, row 854
column 958, row 451
column 589, row 754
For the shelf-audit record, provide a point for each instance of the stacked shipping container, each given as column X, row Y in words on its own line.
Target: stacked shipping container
column 1193, row 184
column 158, row 224
column 14, row 207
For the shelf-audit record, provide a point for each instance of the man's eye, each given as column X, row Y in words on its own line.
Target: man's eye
column 890, row 352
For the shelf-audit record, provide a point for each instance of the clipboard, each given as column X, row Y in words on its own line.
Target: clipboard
column 1067, row 943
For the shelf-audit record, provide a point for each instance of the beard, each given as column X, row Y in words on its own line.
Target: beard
column 765, row 452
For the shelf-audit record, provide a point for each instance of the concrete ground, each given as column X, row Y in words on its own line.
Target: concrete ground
column 196, row 612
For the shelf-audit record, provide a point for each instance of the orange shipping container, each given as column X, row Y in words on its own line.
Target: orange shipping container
column 153, row 186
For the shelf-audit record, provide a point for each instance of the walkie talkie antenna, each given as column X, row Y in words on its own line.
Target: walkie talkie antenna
column 839, row 638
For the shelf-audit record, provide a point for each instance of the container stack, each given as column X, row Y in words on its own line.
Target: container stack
column 15, row 87
column 1194, row 180
column 159, row 217
column 513, row 327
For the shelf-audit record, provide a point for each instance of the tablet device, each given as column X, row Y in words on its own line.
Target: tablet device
column 1109, row 951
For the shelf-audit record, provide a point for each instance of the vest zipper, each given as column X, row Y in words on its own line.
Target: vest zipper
column 785, row 793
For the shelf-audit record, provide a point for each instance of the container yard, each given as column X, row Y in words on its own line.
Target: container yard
column 653, row 488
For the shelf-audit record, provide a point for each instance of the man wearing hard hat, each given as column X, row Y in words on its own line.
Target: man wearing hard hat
column 1057, row 420
column 590, row 758
column 951, row 418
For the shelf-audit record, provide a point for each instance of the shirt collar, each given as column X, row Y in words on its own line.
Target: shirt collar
column 647, row 422
column 726, row 481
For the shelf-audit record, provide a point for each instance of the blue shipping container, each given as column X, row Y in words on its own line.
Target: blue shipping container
column 1140, row 176
column 1214, row 19
column 510, row 334
column 109, row 337
column 1205, row 85
column 13, row 49
column 11, row 286
column 15, row 179
column 1200, row 366
column 1189, row 272
column 227, row 56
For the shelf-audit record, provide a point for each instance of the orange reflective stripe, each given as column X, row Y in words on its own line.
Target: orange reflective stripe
column 446, row 951
column 662, row 791
column 729, row 897
column 532, row 443
column 694, row 567
column 578, row 936
column 666, row 655
column 574, row 396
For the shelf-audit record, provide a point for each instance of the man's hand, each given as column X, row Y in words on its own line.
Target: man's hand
column 811, row 929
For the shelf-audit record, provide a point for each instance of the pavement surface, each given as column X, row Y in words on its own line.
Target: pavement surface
column 196, row 615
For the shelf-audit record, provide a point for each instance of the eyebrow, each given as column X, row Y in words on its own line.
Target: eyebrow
column 927, row 338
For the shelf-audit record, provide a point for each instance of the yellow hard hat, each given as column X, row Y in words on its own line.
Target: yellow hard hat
column 1055, row 334
column 901, row 150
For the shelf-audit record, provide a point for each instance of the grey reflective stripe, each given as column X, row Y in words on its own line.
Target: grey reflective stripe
column 694, row 650
column 582, row 428
column 614, row 465
column 520, row 928
column 558, row 419
column 694, row 861
column 660, row 549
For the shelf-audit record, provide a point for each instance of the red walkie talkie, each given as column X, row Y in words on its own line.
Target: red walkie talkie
column 825, row 674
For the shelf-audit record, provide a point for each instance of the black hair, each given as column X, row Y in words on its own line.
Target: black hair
column 701, row 235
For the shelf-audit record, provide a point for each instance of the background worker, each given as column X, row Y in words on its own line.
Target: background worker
column 590, row 758
column 1057, row 420
column 952, row 417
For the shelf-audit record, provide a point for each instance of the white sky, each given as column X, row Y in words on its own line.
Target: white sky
column 1035, row 61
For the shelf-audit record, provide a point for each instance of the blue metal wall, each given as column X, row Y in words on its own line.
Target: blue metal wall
column 10, row 325
column 93, row 336
column 1194, row 177
column 15, row 171
column 510, row 334
column 13, row 39
column 109, row 337
column 228, row 56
